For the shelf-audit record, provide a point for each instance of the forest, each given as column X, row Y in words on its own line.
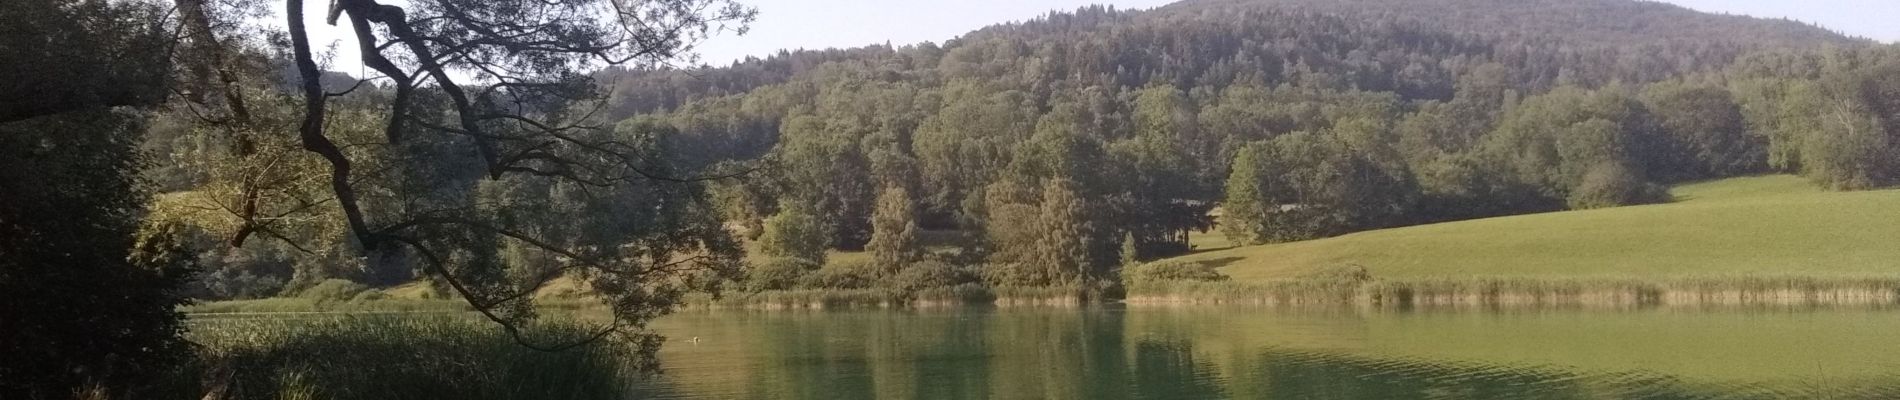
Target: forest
column 1048, row 156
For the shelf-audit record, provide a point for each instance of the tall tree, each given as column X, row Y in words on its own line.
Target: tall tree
column 894, row 230
column 1243, row 211
column 1705, row 133
column 91, row 297
column 1063, row 235
column 91, row 294
column 412, row 197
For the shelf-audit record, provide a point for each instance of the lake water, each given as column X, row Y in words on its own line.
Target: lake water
column 1257, row 353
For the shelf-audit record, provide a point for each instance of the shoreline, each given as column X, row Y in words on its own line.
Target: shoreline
column 1474, row 293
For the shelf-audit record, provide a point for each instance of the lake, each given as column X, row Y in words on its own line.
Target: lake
column 1213, row 352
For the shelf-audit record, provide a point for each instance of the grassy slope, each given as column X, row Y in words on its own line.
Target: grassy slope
column 1757, row 226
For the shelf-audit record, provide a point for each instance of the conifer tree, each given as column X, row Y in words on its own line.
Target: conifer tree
column 1062, row 234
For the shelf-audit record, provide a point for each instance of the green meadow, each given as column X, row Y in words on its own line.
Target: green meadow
column 1765, row 239
column 1769, row 226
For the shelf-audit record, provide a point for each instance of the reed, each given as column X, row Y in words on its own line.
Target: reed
column 409, row 357
column 1533, row 292
column 280, row 305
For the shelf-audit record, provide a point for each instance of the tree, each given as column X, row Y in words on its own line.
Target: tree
column 1858, row 138
column 1012, row 239
column 894, row 230
column 795, row 234
column 1706, row 135
column 1244, row 210
column 1062, row 235
column 91, row 296
column 91, row 292
column 411, row 198
column 1129, row 255
column 78, row 55
column 1551, row 141
column 825, row 172
column 961, row 148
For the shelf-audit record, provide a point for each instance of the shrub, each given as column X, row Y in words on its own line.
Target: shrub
column 794, row 234
column 1170, row 270
column 1611, row 185
column 777, row 274
column 333, row 290
column 930, row 274
column 846, row 275
column 369, row 295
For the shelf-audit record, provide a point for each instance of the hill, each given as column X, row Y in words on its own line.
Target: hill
column 1588, row 38
column 1774, row 226
column 1595, row 22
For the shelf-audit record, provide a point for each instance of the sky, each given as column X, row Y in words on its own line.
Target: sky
column 818, row 24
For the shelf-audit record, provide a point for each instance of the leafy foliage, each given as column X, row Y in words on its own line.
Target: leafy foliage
column 793, row 234
column 894, row 230
column 1172, row 270
column 91, row 296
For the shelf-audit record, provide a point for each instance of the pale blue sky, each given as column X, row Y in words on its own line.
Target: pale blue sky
column 818, row 24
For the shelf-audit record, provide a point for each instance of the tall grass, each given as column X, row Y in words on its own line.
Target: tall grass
column 280, row 305
column 402, row 358
column 1519, row 291
column 963, row 294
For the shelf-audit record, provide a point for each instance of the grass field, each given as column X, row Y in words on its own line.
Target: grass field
column 1775, row 226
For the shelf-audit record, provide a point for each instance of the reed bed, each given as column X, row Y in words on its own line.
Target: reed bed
column 281, row 305
column 408, row 357
column 1532, row 292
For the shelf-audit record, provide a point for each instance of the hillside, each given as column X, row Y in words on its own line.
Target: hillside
column 1594, row 22
column 1590, row 32
column 1756, row 226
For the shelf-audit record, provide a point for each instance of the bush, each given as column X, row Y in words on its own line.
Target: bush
column 846, row 275
column 333, row 290
column 1611, row 185
column 369, row 295
column 931, row 274
column 1170, row 270
column 777, row 274
column 794, row 234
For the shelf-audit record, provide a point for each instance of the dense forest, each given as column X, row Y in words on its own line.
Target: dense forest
column 1056, row 151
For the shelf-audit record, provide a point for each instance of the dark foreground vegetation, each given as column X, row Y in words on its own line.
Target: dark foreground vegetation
column 402, row 357
column 510, row 155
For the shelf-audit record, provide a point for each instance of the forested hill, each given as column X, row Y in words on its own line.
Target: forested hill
column 1605, row 22
column 1549, row 37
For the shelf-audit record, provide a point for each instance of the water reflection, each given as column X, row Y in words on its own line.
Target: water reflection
column 1267, row 354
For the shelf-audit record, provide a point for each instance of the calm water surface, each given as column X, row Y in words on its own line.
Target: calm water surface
column 1254, row 353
